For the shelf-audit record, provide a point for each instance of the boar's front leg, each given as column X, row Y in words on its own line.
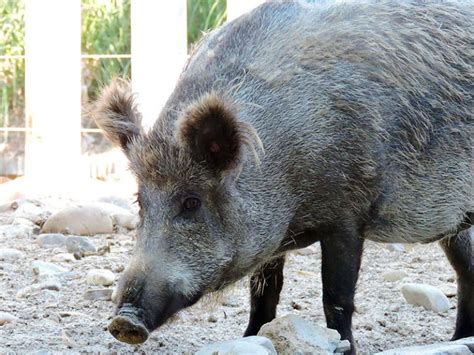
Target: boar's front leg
column 341, row 256
column 460, row 252
column 265, row 287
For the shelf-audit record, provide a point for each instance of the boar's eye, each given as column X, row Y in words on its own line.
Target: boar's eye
column 191, row 204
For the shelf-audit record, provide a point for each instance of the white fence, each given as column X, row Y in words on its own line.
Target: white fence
column 53, row 74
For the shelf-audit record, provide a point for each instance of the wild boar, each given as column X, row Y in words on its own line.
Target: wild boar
column 293, row 124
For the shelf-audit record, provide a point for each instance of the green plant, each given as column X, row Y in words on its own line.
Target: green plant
column 204, row 15
column 12, row 74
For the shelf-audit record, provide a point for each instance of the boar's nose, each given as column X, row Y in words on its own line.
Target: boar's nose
column 128, row 327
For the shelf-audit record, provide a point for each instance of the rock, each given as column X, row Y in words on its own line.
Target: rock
column 28, row 291
column 294, row 335
column 344, row 345
column 102, row 294
column 51, row 240
column 79, row 245
column 100, row 277
column 64, row 258
column 121, row 216
column 395, row 275
column 113, row 297
column 7, row 254
column 469, row 342
column 396, row 247
column 43, row 268
column 25, row 222
column 16, row 231
column 427, row 296
column 80, row 220
column 432, row 349
column 7, row 318
column 449, row 290
column 30, row 212
column 250, row 345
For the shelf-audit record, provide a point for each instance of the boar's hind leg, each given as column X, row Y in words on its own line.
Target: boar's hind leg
column 341, row 258
column 265, row 287
column 460, row 252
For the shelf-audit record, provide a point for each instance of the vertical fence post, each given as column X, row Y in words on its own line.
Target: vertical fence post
column 235, row 8
column 53, row 89
column 158, row 52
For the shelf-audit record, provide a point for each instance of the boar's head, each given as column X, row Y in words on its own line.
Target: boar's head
column 194, row 233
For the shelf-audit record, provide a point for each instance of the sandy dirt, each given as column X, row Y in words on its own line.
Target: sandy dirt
column 52, row 321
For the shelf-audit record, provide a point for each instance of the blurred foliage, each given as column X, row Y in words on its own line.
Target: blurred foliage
column 12, row 73
column 105, row 30
column 204, row 15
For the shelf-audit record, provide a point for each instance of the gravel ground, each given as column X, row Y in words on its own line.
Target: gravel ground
column 62, row 320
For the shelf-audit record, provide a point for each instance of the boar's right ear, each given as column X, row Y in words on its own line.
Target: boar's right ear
column 214, row 135
column 116, row 114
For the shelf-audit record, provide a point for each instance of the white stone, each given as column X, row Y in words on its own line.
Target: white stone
column 102, row 294
column 432, row 349
column 100, row 277
column 44, row 268
column 63, row 258
column 80, row 220
column 469, row 342
column 8, row 254
column 28, row 291
column 79, row 244
column 294, row 335
column 395, row 275
column 51, row 240
column 427, row 296
column 30, row 212
column 16, row 231
column 7, row 318
column 242, row 346
column 121, row 216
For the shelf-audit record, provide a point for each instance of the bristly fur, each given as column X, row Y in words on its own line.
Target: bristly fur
column 214, row 135
column 115, row 112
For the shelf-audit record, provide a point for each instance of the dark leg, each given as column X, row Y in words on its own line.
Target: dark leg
column 341, row 258
column 460, row 252
column 265, row 287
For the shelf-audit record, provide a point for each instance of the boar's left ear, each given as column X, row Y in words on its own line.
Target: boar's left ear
column 116, row 114
column 214, row 135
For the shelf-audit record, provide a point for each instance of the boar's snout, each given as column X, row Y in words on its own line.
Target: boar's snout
column 128, row 325
column 143, row 307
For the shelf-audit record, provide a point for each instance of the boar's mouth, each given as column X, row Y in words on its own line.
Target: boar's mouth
column 133, row 324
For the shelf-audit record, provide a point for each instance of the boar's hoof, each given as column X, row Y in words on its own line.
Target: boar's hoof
column 128, row 330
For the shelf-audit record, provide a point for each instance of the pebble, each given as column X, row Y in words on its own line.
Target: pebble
column 79, row 245
column 432, row 349
column 28, row 291
column 16, row 231
column 44, row 268
column 249, row 345
column 31, row 212
column 100, row 277
column 8, row 254
column 395, row 275
column 430, row 297
column 292, row 334
column 7, row 318
column 121, row 216
column 51, row 240
column 102, row 294
column 64, row 258
column 80, row 220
